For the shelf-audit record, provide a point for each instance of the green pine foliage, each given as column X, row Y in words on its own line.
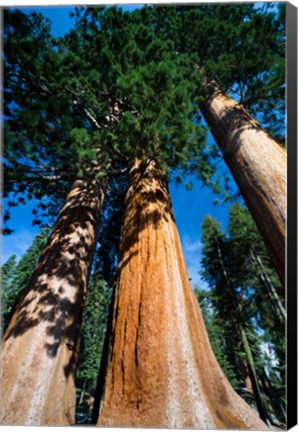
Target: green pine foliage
column 141, row 85
column 109, row 91
column 242, row 47
column 38, row 116
column 217, row 339
column 93, row 333
column 7, row 275
column 123, row 84
column 253, row 271
column 240, row 302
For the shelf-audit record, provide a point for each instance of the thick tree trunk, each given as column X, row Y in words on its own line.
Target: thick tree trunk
column 40, row 346
column 161, row 370
column 258, row 164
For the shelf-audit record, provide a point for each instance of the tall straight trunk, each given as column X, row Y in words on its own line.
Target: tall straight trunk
column 161, row 370
column 246, row 376
column 40, row 346
column 274, row 297
column 258, row 164
column 278, row 407
column 254, row 379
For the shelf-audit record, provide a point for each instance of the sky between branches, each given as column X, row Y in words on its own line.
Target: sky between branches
column 189, row 206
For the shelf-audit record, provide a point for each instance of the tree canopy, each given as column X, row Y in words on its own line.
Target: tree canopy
column 120, row 84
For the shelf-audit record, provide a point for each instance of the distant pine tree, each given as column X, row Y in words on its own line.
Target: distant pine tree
column 241, row 305
column 17, row 275
column 218, row 341
column 7, row 275
column 93, row 333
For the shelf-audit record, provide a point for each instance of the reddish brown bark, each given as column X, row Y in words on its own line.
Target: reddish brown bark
column 40, row 346
column 258, row 164
column 161, row 370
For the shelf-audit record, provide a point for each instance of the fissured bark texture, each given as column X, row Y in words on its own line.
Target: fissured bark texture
column 161, row 370
column 258, row 164
column 40, row 347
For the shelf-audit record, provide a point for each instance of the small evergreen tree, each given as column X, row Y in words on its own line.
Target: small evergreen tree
column 215, row 328
column 16, row 275
column 93, row 333
column 7, row 275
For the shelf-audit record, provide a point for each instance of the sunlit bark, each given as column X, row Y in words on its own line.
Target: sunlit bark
column 40, row 346
column 161, row 370
column 258, row 164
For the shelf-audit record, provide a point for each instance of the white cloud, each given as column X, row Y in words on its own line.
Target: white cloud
column 192, row 247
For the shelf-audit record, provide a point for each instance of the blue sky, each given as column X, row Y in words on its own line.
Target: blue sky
column 190, row 207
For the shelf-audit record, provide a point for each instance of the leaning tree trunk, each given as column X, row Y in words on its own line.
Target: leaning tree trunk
column 161, row 370
column 258, row 164
column 40, row 346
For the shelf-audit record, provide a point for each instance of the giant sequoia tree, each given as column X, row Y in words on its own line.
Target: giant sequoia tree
column 159, row 348
column 45, row 145
column 118, row 92
column 48, row 317
column 258, row 164
column 257, row 161
column 232, row 80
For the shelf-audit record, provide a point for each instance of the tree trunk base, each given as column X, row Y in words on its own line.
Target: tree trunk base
column 161, row 371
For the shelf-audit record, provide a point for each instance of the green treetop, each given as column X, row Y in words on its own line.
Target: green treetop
column 109, row 91
column 120, row 84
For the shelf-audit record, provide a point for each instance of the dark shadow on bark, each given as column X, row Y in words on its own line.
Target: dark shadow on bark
column 56, row 291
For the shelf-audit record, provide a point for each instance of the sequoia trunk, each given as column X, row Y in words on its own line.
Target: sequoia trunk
column 40, row 346
column 161, row 370
column 258, row 164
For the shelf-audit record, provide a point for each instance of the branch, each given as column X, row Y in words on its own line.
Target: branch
column 40, row 177
column 91, row 118
column 118, row 153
